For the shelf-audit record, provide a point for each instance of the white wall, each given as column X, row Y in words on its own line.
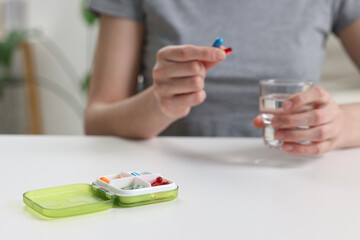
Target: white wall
column 61, row 23
column 340, row 75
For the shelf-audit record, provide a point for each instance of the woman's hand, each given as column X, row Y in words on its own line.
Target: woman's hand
column 179, row 75
column 325, row 123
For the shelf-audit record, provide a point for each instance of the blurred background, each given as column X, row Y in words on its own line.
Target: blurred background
column 46, row 52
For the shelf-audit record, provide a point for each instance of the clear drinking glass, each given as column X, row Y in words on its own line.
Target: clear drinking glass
column 273, row 93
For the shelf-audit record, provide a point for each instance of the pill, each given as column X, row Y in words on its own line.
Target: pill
column 104, row 179
column 159, row 181
column 228, row 50
column 218, row 42
column 133, row 187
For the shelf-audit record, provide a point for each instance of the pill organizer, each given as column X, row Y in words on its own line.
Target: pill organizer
column 124, row 189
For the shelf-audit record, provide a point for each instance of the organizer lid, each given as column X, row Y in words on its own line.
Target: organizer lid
column 68, row 200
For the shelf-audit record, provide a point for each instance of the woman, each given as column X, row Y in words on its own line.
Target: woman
column 167, row 42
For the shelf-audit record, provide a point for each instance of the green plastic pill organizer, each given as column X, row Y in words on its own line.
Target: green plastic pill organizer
column 117, row 190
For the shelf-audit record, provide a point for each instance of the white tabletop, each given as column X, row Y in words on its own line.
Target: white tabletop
column 229, row 188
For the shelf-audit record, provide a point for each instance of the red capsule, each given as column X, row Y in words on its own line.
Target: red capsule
column 228, row 50
column 159, row 181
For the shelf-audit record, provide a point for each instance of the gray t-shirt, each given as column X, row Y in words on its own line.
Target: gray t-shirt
column 270, row 39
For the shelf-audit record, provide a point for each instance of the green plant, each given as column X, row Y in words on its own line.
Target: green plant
column 90, row 19
column 86, row 82
column 7, row 50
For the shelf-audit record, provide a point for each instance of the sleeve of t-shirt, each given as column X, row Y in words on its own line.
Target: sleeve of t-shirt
column 346, row 13
column 130, row 9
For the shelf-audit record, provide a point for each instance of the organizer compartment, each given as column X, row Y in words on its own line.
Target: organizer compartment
column 129, row 181
column 152, row 178
column 113, row 177
column 144, row 199
column 115, row 186
column 120, row 176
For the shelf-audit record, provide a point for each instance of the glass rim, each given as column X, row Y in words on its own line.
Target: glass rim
column 286, row 82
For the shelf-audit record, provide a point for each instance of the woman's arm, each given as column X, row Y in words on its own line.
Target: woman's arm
column 350, row 37
column 114, row 108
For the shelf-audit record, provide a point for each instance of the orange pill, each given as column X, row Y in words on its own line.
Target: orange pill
column 104, row 179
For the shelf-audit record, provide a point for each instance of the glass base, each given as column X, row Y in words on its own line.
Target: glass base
column 269, row 137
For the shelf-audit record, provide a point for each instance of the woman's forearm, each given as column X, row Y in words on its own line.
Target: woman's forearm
column 138, row 117
column 350, row 38
column 350, row 136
